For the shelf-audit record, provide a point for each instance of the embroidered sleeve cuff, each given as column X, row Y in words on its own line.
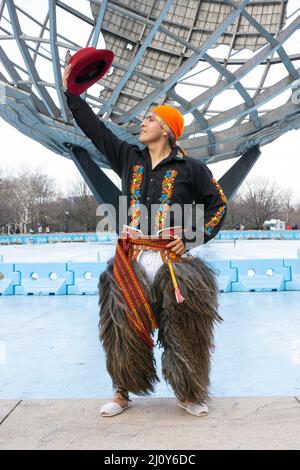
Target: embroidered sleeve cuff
column 217, row 217
column 215, row 220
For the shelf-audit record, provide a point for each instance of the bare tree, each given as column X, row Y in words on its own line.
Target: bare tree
column 5, row 198
column 287, row 208
column 79, row 188
column 261, row 200
column 234, row 214
column 29, row 197
column 32, row 190
column 82, row 205
column 294, row 216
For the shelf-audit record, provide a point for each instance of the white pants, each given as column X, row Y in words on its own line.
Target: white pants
column 151, row 262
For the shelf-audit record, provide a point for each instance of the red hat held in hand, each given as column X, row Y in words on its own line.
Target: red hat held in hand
column 88, row 66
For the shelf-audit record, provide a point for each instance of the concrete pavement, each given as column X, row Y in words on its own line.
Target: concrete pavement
column 151, row 424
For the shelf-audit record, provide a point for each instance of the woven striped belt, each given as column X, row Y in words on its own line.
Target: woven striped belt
column 140, row 314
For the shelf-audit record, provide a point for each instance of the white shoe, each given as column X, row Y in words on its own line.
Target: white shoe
column 112, row 409
column 196, row 409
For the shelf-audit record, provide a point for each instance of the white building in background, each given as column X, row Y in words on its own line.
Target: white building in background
column 274, row 224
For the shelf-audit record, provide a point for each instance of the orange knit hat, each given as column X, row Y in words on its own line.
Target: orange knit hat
column 172, row 117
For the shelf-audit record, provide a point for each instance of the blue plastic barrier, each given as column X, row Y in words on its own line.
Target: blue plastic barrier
column 260, row 275
column 8, row 279
column 78, row 238
column 85, row 278
column 294, row 265
column 258, row 234
column 82, row 278
column 66, row 238
column 16, row 240
column 54, row 238
column 5, row 240
column 225, row 274
column 43, row 278
column 41, row 239
column 109, row 237
column 25, row 239
column 89, row 237
column 104, row 238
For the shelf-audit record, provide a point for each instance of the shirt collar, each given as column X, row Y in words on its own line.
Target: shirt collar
column 180, row 154
column 176, row 154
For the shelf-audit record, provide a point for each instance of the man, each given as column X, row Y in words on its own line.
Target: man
column 160, row 286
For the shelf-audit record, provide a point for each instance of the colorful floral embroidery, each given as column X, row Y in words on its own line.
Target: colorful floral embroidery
column 221, row 194
column 135, row 194
column 213, row 222
column 165, row 199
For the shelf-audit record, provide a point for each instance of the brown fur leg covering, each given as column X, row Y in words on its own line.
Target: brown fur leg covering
column 129, row 361
column 186, row 330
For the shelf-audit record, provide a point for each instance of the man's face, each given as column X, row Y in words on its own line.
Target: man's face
column 151, row 130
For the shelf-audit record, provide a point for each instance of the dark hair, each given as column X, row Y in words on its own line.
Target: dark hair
column 171, row 141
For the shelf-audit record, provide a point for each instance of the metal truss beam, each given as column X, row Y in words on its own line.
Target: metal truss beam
column 69, row 41
column 146, row 43
column 253, row 124
column 245, row 68
column 101, row 186
column 49, row 103
column 18, row 81
column 55, row 61
column 242, row 110
column 98, row 24
column 219, row 67
column 2, row 5
column 271, row 39
column 185, row 67
column 234, row 177
column 74, row 12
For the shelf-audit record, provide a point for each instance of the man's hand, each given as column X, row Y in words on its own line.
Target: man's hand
column 66, row 75
column 177, row 246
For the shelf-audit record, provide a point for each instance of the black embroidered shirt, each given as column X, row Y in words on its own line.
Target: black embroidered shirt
column 177, row 179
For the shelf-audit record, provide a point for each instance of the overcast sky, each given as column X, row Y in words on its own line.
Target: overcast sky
column 280, row 160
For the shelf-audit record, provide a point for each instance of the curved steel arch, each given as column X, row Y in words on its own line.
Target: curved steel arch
column 157, row 46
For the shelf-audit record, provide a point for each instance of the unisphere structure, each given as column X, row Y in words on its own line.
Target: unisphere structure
column 231, row 67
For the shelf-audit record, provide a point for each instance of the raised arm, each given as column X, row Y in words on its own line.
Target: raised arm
column 114, row 149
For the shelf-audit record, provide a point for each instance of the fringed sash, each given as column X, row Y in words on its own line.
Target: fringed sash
column 140, row 314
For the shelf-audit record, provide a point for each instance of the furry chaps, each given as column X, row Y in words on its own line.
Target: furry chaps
column 129, row 361
column 185, row 330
